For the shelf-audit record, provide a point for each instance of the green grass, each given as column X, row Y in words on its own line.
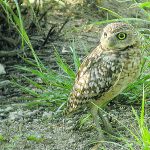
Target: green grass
column 2, row 138
column 54, row 86
column 141, row 135
column 35, row 138
column 17, row 22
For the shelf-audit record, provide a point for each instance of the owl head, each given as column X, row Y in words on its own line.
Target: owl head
column 119, row 36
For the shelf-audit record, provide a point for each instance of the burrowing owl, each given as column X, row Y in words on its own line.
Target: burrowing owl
column 108, row 69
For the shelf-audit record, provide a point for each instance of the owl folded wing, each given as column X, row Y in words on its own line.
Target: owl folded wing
column 96, row 76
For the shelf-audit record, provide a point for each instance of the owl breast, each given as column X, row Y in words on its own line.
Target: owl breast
column 130, row 72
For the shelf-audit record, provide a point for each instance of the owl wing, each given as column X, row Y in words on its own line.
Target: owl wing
column 96, row 75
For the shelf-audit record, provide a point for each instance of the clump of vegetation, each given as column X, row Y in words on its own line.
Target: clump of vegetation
column 35, row 138
column 141, row 136
column 2, row 138
column 53, row 86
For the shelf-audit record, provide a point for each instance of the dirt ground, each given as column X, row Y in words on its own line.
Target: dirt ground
column 41, row 128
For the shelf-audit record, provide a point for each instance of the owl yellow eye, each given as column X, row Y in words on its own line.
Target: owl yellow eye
column 121, row 36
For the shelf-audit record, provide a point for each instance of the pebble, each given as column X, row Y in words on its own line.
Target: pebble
column 47, row 115
column 8, row 109
column 2, row 69
column 15, row 115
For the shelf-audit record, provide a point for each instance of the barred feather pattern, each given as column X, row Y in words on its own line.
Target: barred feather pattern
column 104, row 74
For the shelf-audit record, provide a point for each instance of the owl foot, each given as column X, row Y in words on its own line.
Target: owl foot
column 108, row 129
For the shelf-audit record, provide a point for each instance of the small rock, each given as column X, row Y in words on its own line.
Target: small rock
column 15, row 115
column 1, row 110
column 12, row 115
column 2, row 116
column 32, row 113
column 8, row 109
column 35, row 120
column 2, row 69
column 47, row 115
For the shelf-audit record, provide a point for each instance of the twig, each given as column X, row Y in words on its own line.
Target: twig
column 4, row 83
column 65, row 22
column 9, row 53
column 14, row 42
column 50, row 33
column 44, row 14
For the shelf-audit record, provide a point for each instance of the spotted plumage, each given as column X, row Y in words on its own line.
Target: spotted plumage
column 109, row 68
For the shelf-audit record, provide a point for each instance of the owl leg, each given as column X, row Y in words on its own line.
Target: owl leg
column 94, row 112
column 106, row 123
column 108, row 127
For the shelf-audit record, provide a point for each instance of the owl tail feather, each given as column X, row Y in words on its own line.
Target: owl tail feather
column 71, row 105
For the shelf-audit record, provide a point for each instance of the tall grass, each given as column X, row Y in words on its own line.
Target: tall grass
column 141, row 136
column 54, row 86
column 16, row 20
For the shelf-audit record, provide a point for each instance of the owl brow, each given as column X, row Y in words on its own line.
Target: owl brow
column 126, row 31
column 121, row 30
